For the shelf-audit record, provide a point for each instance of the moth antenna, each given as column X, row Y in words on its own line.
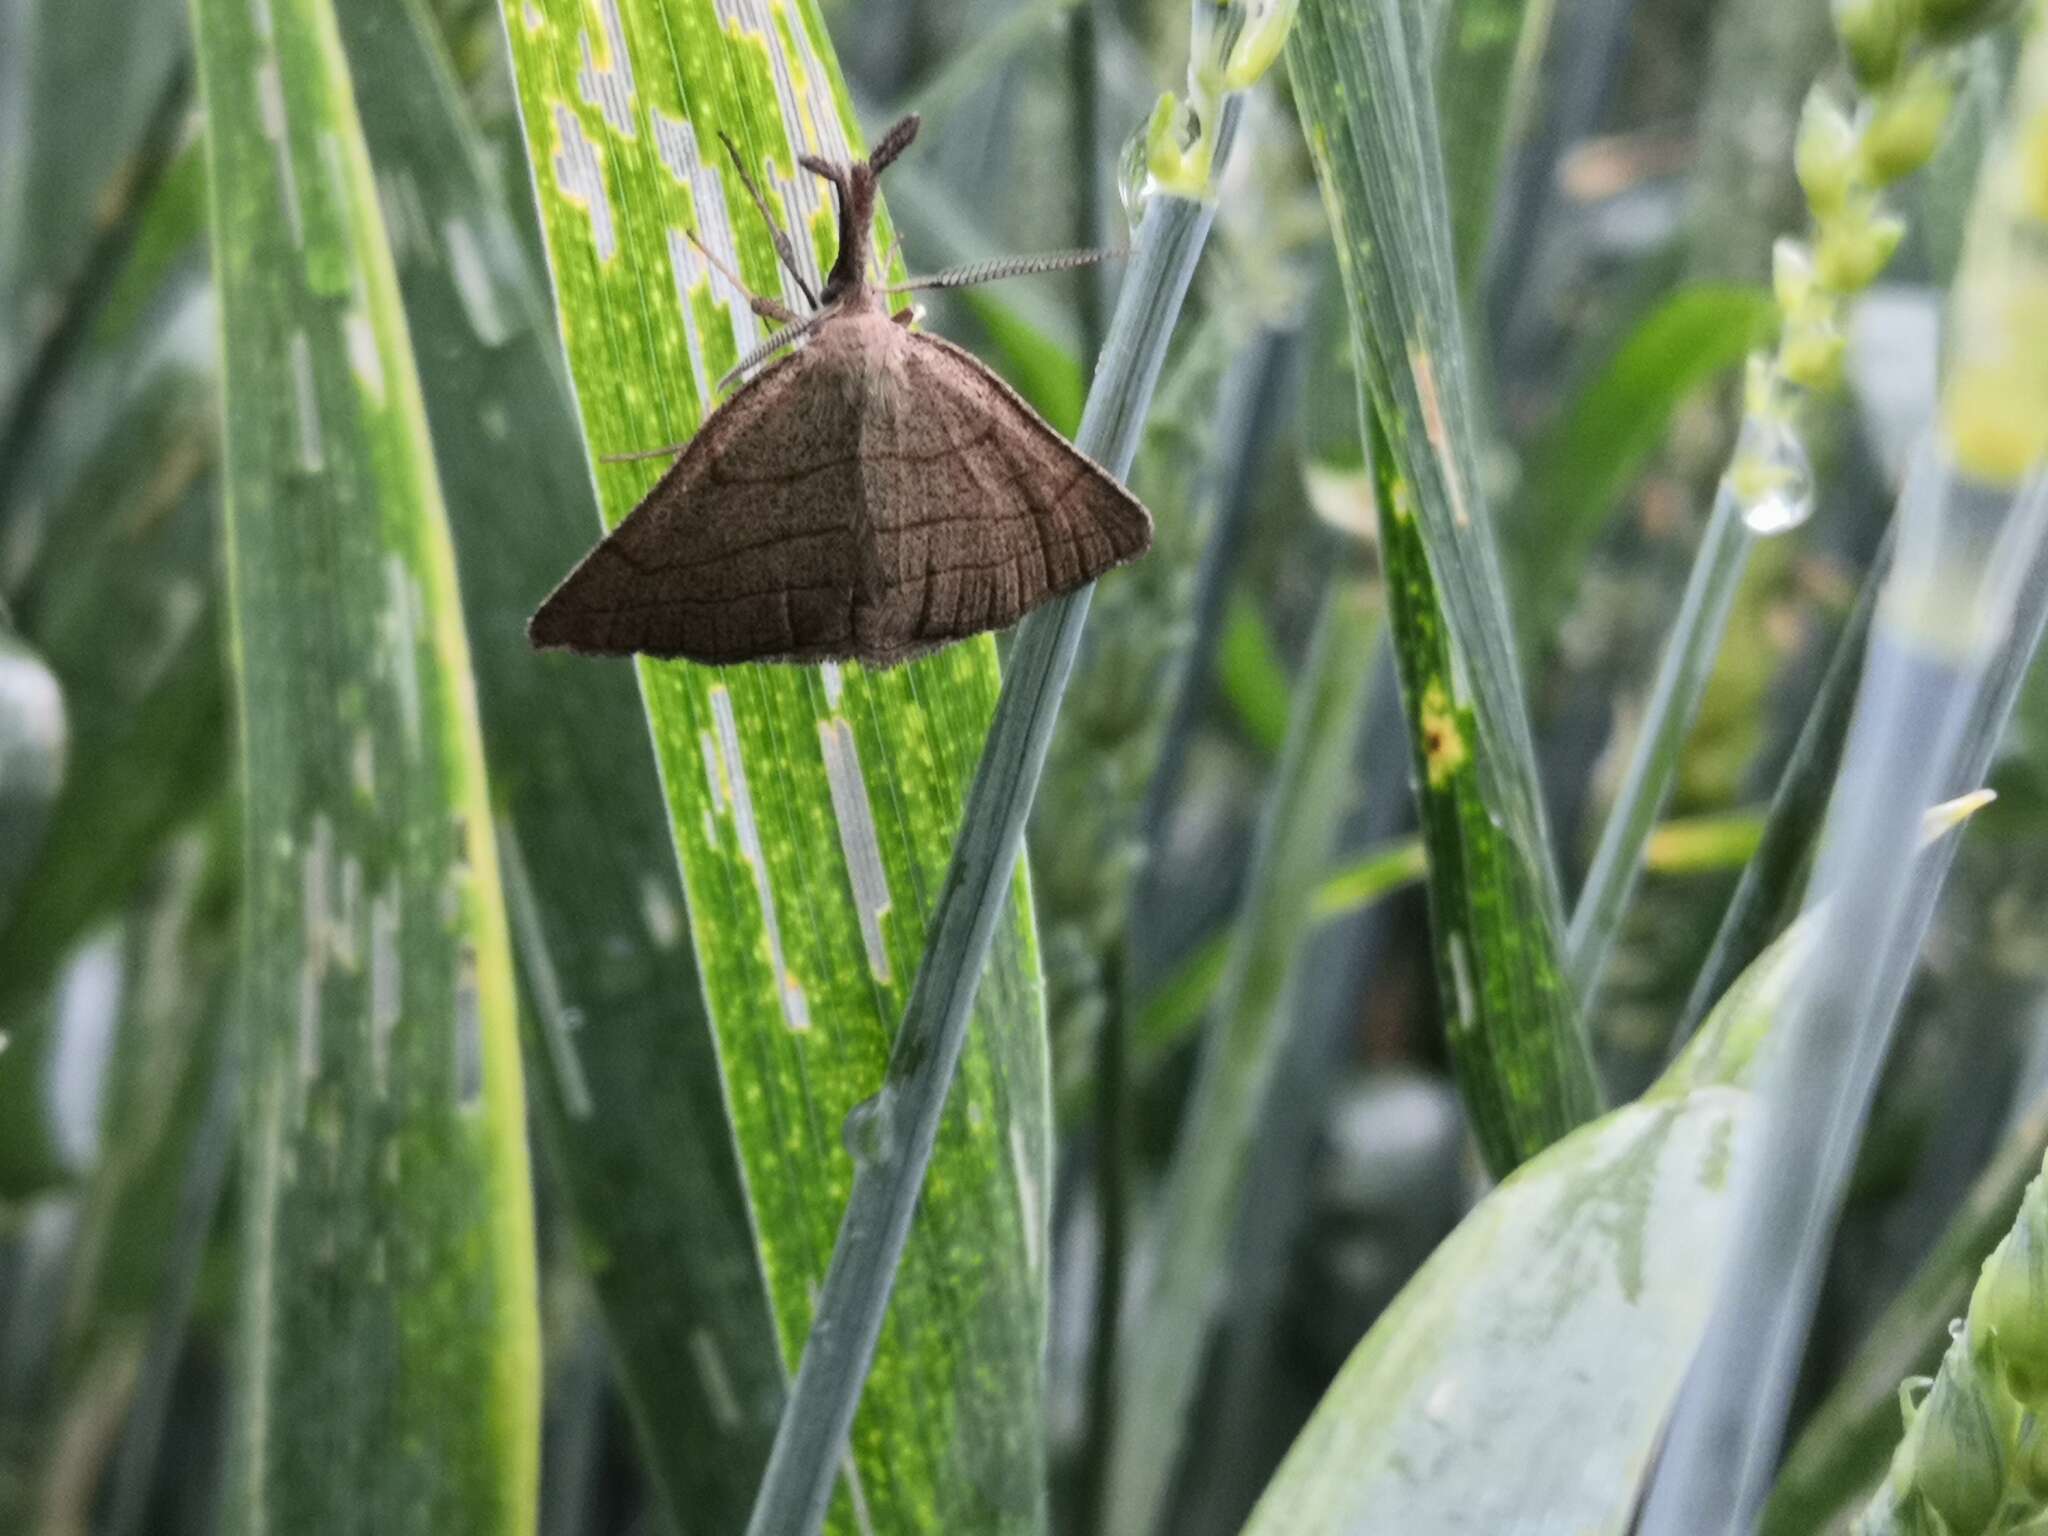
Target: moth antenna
column 894, row 142
column 836, row 174
column 771, row 346
column 784, row 248
column 646, row 453
column 768, row 309
column 1010, row 266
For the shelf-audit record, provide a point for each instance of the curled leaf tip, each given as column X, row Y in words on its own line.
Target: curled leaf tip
column 1950, row 814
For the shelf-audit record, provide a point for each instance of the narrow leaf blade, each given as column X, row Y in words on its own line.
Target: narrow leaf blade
column 390, row 1349
column 813, row 811
column 622, row 1067
column 1495, row 909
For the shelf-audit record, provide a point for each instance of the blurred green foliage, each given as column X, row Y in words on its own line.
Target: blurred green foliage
column 475, row 214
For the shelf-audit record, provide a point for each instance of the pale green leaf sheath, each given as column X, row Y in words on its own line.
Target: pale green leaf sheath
column 1566, row 1305
column 813, row 810
column 388, row 1370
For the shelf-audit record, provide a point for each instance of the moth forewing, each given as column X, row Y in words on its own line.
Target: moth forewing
column 873, row 495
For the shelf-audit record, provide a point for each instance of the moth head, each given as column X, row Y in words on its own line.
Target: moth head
column 856, row 186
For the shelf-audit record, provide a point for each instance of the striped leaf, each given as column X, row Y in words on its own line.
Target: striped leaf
column 813, row 809
column 389, row 1349
column 620, row 1061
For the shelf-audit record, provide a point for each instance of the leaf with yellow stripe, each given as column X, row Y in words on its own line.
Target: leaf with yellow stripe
column 388, row 1334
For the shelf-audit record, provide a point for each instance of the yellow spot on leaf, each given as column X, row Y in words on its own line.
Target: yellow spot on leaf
column 1402, row 501
column 1444, row 748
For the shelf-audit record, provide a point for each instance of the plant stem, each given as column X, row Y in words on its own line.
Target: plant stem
column 810, row 1439
column 1682, row 675
column 1960, row 617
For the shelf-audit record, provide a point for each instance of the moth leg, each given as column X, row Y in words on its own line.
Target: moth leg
column 889, row 259
column 909, row 314
column 773, row 312
column 783, row 248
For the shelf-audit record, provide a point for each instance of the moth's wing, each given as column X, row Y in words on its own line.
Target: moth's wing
column 744, row 550
column 978, row 511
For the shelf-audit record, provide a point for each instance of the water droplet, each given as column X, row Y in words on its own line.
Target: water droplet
column 869, row 1131
column 1771, row 476
column 1133, row 176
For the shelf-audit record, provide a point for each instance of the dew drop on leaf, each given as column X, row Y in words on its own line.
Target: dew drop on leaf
column 869, row 1131
column 1772, row 478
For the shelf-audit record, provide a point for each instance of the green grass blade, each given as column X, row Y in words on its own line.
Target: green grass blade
column 1205, row 1183
column 1584, row 465
column 1495, row 908
column 1616, row 422
column 1574, row 1295
column 35, row 738
column 1522, row 1065
column 1488, row 59
column 893, row 1170
column 82, row 132
column 1250, row 675
column 389, row 1350
column 1792, row 828
column 1681, row 682
column 146, row 1210
column 1696, row 845
column 621, row 1065
column 813, row 810
column 1854, row 1429
column 118, row 598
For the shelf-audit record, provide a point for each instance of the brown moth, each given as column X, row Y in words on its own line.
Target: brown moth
column 874, row 495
